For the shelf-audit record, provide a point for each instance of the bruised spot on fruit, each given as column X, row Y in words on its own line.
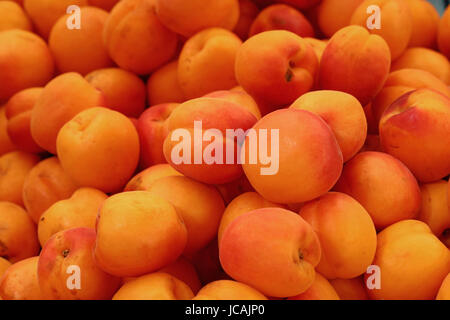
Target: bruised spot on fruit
column 65, row 253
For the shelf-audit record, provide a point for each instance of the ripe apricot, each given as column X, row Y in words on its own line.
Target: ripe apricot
column 184, row 270
column 228, row 290
column 350, row 289
column 81, row 50
column 271, row 249
column 383, row 185
column 25, row 62
column 321, row 289
column 444, row 33
column 163, row 85
column 240, row 97
column 6, row 145
column 18, row 239
column 18, row 112
column 355, row 62
column 91, row 149
column 407, row 253
column 78, row 211
column 124, row 91
column 4, row 265
column 333, row 15
column 13, row 17
column 444, row 290
column 68, row 94
column 154, row 286
column 45, row 184
column 343, row 113
column 414, row 129
column 248, row 11
column 425, row 23
column 299, row 170
column 135, row 38
column 68, row 248
column 146, row 178
column 435, row 209
column 14, row 167
column 276, row 67
column 125, row 249
column 20, row 281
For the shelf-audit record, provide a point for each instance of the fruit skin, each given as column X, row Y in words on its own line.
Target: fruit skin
column 228, row 290
column 333, row 15
column 425, row 23
column 201, row 207
column 414, row 129
column 124, row 91
column 213, row 114
column 45, row 184
column 321, row 289
column 444, row 290
column 14, row 167
column 281, row 17
column 146, row 178
column 91, row 149
column 19, row 50
column 163, row 85
column 343, row 113
column 304, row 140
column 383, row 185
column 67, row 248
column 18, row 112
column 444, row 34
column 69, row 94
column 190, row 17
column 207, row 264
column 135, row 38
column 6, row 145
column 13, row 17
column 104, row 4
column 346, row 233
column 271, row 249
column 206, row 62
column 248, row 11
column 350, row 289
column 408, row 253
column 154, row 286
column 238, row 96
column 276, row 67
column 396, row 24
column 4, row 265
column 20, row 281
column 125, row 220
column 184, row 270
column 435, row 206
column 78, row 211
column 355, row 62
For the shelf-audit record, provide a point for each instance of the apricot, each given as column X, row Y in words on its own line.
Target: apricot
column 241, row 205
column 104, row 4
column 146, row 178
column 91, row 149
column 333, row 15
column 45, row 13
column 201, row 207
column 350, row 289
column 20, row 281
column 355, row 62
column 25, row 62
column 203, row 117
column 80, row 50
column 240, row 97
column 444, row 290
column 435, row 210
column 18, row 239
column 425, row 23
column 305, row 162
column 185, row 271
column 78, row 211
column 424, row 59
column 125, row 248
column 163, row 85
column 4, row 265
column 321, row 289
column 271, row 249
column 444, row 34
column 190, row 17
column 14, row 167
column 395, row 26
column 18, row 112
column 6, row 145
column 13, row 17
column 153, row 129
column 248, row 11
column 135, row 38
column 45, row 184
column 407, row 253
column 228, row 290
column 124, row 91
column 282, row 17
column 343, row 113
column 155, row 286
column 206, row 62
column 62, row 99
column 414, row 129
column 276, row 67
column 64, row 250
column 383, row 185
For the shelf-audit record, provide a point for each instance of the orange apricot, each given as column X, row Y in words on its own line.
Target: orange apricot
column 146, row 178
column 425, row 23
column 163, row 85
column 350, row 289
column 184, row 270
column 435, row 209
column 333, row 15
column 240, row 97
column 321, row 289
column 13, row 17
column 20, row 281
column 444, row 34
column 444, row 290
column 228, row 290
column 6, row 145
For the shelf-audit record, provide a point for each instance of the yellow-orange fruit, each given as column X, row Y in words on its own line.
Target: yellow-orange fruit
column 435, row 206
column 425, row 23
column 20, row 281
column 350, row 289
column 228, row 290
column 321, row 289
column 13, row 17
column 163, row 85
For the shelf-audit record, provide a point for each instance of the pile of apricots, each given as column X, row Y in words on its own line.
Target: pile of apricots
column 94, row 205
